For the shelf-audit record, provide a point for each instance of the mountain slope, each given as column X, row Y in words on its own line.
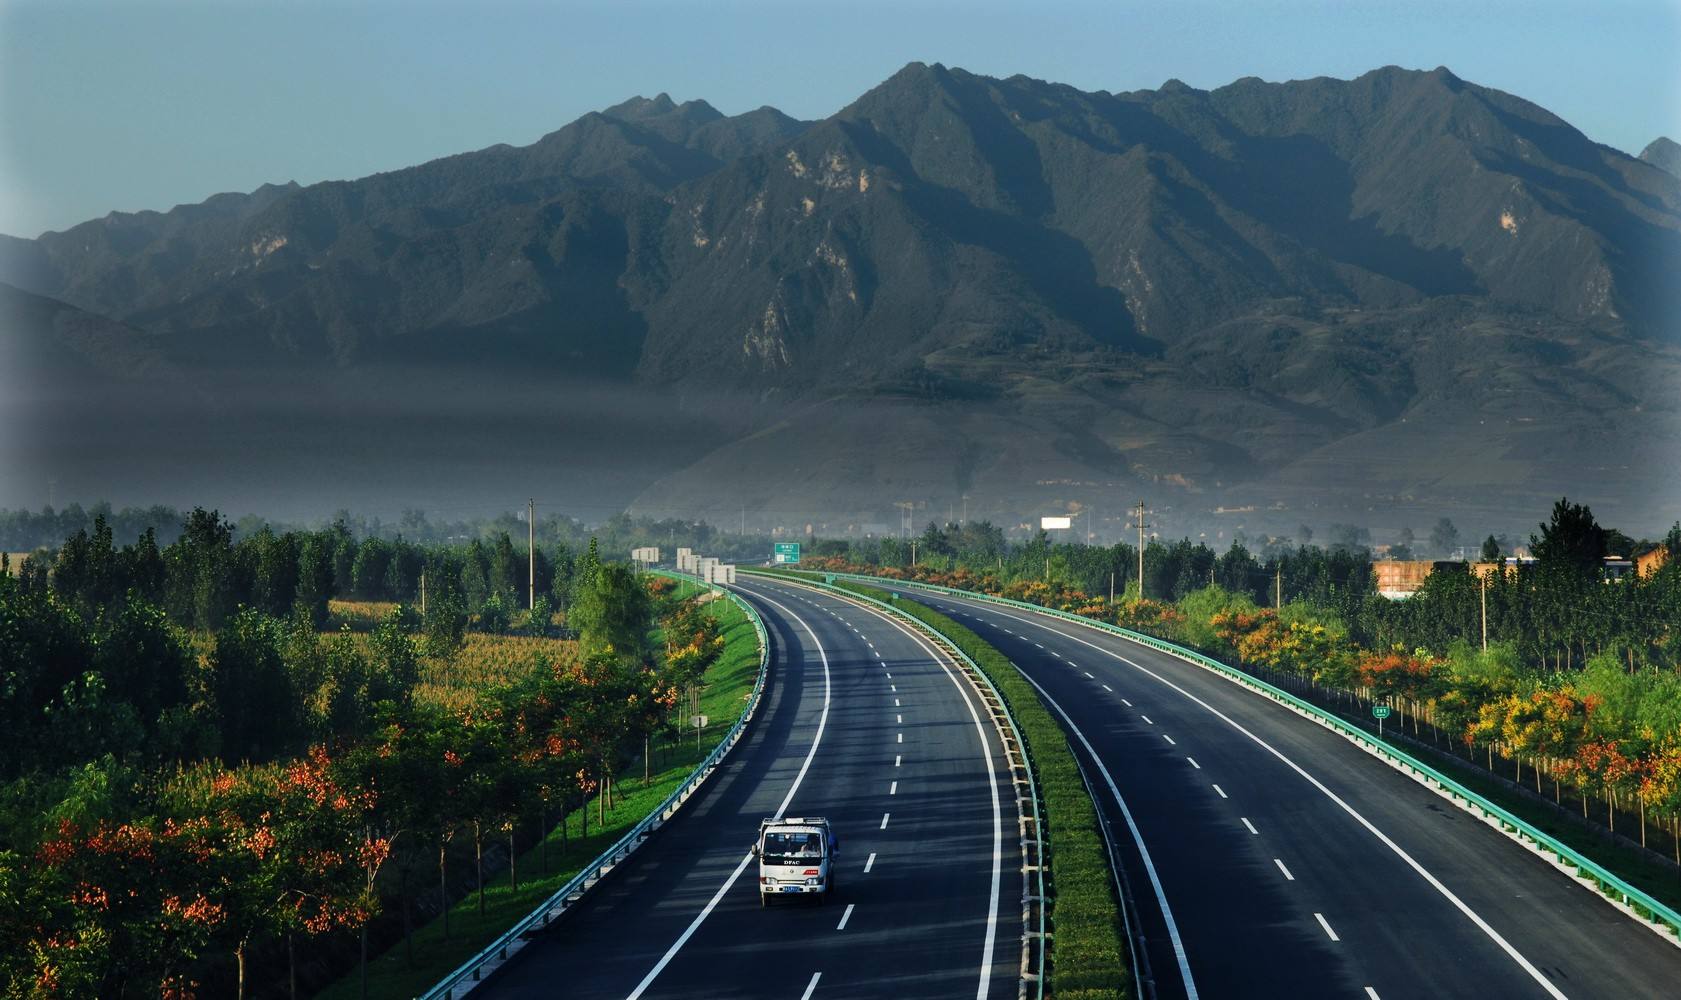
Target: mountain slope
column 1241, row 295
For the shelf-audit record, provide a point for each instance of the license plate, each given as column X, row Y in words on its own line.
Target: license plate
column 790, row 888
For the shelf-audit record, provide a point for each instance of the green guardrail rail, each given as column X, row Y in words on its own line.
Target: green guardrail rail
column 473, row 969
column 1608, row 883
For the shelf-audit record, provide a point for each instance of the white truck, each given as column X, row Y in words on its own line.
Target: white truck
column 796, row 857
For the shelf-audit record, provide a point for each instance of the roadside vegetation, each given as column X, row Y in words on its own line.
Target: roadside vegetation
column 221, row 780
column 1085, row 957
column 1576, row 697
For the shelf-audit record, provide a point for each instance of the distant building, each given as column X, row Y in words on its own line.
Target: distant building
column 1398, row 579
column 1651, row 562
column 1617, row 568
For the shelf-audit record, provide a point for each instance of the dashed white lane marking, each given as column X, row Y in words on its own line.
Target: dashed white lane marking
column 878, row 656
column 869, row 862
column 1088, row 674
column 1040, row 645
column 1194, row 763
column 1108, row 689
column 895, row 687
column 896, row 759
column 811, row 986
column 1146, row 719
column 1126, row 703
column 884, row 821
column 845, row 917
column 1250, row 825
column 1372, row 993
column 901, row 738
column 895, row 703
column 1287, row 876
column 1328, row 931
column 1169, row 740
column 893, row 789
column 899, row 719
column 890, row 675
column 1222, row 792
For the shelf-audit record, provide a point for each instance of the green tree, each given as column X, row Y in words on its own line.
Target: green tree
column 612, row 613
column 1572, row 542
column 1491, row 549
column 253, row 692
column 315, row 576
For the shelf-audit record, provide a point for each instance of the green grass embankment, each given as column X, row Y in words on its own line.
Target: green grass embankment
column 1086, row 959
column 729, row 682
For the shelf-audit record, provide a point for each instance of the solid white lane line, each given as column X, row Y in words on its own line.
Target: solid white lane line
column 893, row 789
column 1287, row 876
column 884, row 821
column 1137, row 840
column 805, row 765
column 845, row 917
column 809, row 987
column 1169, row 740
column 1146, row 719
column 1108, row 689
column 1250, row 825
column 1383, row 838
column 1194, row 763
column 1126, row 703
column 1222, row 792
column 869, row 862
column 1328, row 931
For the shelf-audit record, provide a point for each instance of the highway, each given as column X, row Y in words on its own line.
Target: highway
column 1278, row 860
column 860, row 723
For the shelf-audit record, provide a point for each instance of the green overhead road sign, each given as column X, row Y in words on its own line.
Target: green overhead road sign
column 1380, row 711
column 786, row 553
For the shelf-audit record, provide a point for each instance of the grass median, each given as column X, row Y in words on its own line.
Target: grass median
column 1086, row 957
column 405, row 972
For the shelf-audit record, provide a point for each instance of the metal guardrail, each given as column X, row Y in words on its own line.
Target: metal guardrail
column 472, row 971
column 973, row 669
column 1588, row 871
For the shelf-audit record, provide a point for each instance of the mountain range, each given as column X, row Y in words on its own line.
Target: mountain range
column 1372, row 300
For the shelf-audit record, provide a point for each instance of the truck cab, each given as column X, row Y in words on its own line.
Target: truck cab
column 796, row 858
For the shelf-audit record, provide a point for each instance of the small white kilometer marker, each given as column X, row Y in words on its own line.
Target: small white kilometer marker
column 884, row 820
column 1328, row 931
column 1287, row 876
column 893, row 789
column 845, row 917
column 869, row 862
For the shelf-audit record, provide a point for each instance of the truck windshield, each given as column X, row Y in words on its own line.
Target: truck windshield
column 792, row 848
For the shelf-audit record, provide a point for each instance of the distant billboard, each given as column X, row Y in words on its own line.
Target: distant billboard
column 1055, row 523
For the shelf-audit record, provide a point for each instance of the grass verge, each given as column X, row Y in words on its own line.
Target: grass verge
column 396, row 973
column 1086, row 957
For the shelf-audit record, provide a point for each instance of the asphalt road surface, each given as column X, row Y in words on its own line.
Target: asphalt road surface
column 859, row 723
column 1285, row 862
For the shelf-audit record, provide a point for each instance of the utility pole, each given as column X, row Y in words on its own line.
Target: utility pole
column 913, row 552
column 1111, row 589
column 531, row 552
column 1140, row 510
column 1484, row 577
column 1278, row 587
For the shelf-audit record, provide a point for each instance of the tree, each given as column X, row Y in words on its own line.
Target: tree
column 612, row 613
column 1491, row 549
column 315, row 576
column 1444, row 537
column 1572, row 543
column 252, row 689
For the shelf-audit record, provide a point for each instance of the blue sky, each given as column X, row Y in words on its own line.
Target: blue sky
column 142, row 105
